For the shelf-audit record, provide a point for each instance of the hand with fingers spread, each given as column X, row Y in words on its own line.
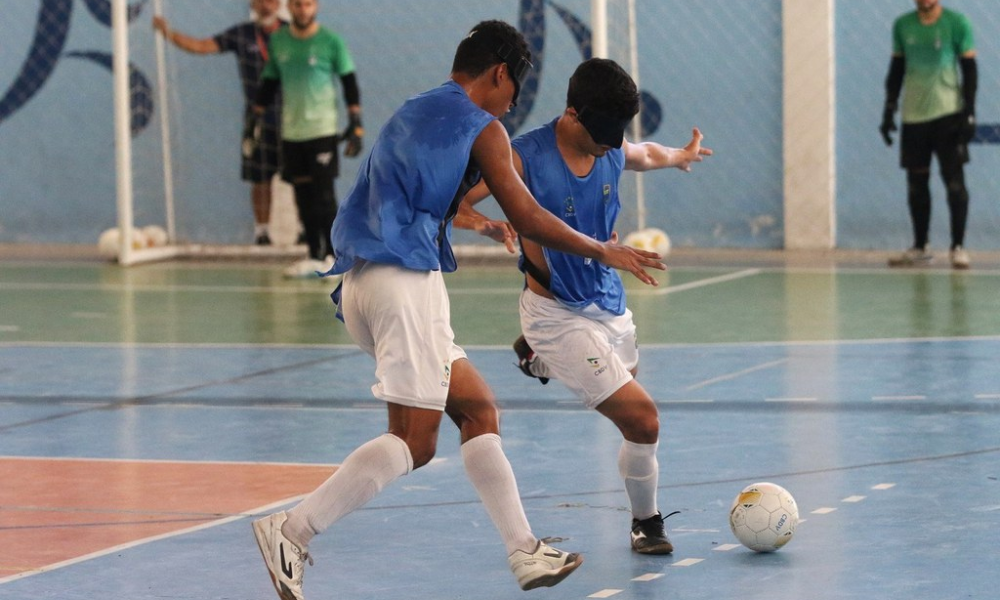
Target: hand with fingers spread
column 631, row 259
column 693, row 152
column 648, row 155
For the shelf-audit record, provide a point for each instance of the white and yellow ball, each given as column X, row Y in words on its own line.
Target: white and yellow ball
column 659, row 240
column 650, row 239
column 156, row 236
column 763, row 517
column 639, row 240
column 109, row 240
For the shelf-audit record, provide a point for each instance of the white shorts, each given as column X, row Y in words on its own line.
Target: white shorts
column 402, row 318
column 591, row 351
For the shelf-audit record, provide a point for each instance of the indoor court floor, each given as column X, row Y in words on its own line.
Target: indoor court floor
column 148, row 413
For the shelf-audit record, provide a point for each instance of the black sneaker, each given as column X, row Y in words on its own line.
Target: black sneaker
column 526, row 356
column 650, row 537
column 263, row 240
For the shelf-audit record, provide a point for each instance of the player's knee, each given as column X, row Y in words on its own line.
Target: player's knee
column 643, row 427
column 422, row 451
column 647, row 431
column 917, row 179
column 479, row 418
column 954, row 181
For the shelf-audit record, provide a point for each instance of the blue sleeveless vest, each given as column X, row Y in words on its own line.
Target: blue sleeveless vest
column 588, row 204
column 400, row 209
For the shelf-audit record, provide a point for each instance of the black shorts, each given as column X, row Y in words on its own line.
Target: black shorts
column 942, row 136
column 263, row 163
column 315, row 159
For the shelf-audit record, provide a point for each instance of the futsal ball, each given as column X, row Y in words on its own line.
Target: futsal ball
column 640, row 240
column 107, row 242
column 763, row 517
column 156, row 236
column 659, row 241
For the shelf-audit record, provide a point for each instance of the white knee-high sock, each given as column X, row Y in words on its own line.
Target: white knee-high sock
column 489, row 471
column 639, row 468
column 363, row 474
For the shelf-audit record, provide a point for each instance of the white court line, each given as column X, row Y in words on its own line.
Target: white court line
column 687, row 562
column 728, row 547
column 686, row 401
column 155, row 461
column 605, row 593
column 66, row 563
column 648, row 577
column 673, row 289
column 120, row 287
column 883, row 486
column 987, row 396
column 791, row 399
column 892, row 398
column 707, row 382
column 854, row 498
column 823, row 511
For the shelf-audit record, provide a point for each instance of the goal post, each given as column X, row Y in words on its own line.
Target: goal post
column 614, row 36
column 150, row 191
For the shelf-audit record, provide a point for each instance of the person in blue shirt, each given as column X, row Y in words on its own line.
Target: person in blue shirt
column 575, row 324
column 392, row 242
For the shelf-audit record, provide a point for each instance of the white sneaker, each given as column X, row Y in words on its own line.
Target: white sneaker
column 307, row 268
column 912, row 258
column 544, row 567
column 959, row 258
column 284, row 560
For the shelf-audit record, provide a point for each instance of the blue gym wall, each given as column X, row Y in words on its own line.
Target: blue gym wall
column 716, row 64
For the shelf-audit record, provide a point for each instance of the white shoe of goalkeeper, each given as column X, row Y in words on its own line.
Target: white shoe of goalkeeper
column 285, row 561
column 308, row 268
column 544, row 567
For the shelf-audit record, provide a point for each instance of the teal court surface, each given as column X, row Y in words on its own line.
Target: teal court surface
column 148, row 413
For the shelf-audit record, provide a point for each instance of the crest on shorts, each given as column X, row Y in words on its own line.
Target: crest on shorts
column 446, row 378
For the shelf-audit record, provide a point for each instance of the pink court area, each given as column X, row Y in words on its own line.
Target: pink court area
column 53, row 510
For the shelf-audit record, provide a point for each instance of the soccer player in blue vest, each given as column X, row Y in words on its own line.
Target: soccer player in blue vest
column 391, row 240
column 575, row 324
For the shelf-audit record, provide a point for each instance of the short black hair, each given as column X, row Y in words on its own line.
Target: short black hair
column 479, row 50
column 601, row 84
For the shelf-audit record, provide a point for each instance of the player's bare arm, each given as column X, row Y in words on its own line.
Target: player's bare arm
column 498, row 231
column 647, row 156
column 492, row 152
column 184, row 42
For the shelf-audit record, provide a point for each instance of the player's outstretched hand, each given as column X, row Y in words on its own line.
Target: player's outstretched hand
column 693, row 151
column 498, row 231
column 633, row 260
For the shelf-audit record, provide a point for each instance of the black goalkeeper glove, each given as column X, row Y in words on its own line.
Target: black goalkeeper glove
column 352, row 135
column 968, row 126
column 251, row 134
column 888, row 122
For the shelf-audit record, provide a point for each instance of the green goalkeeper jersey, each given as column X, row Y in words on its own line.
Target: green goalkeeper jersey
column 931, row 87
column 308, row 70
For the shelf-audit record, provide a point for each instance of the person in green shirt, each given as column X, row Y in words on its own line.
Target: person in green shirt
column 929, row 48
column 303, row 60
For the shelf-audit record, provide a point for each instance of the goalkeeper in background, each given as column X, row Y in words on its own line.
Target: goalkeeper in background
column 304, row 59
column 929, row 47
column 248, row 40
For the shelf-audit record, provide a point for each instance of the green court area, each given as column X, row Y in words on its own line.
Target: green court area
column 715, row 300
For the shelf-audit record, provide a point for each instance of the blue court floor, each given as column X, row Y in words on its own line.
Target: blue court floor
column 872, row 395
